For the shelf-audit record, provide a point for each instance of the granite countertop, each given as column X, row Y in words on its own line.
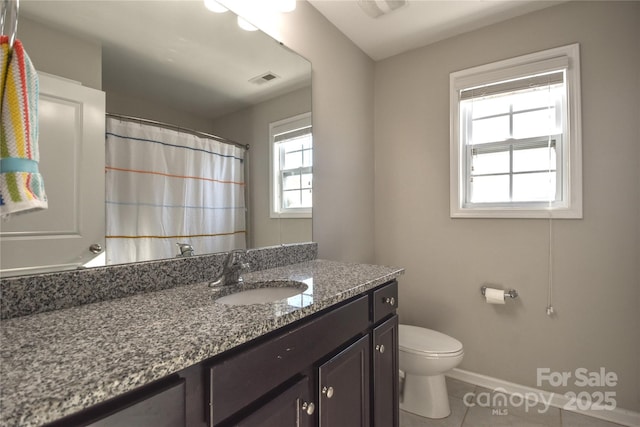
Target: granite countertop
column 56, row 363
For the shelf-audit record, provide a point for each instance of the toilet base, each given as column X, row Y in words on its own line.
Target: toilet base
column 425, row 396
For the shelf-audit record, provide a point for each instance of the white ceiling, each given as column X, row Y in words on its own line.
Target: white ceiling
column 200, row 61
column 419, row 22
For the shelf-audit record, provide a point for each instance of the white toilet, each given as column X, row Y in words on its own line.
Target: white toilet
column 425, row 356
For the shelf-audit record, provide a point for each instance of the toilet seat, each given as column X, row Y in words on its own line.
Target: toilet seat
column 428, row 343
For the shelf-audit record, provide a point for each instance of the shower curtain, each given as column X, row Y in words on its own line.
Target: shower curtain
column 165, row 187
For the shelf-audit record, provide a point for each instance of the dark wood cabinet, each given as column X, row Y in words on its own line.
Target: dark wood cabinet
column 385, row 374
column 163, row 408
column 344, row 387
column 159, row 404
column 241, row 377
column 335, row 368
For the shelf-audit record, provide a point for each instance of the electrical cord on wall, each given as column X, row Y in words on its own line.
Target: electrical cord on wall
column 551, row 190
column 550, row 309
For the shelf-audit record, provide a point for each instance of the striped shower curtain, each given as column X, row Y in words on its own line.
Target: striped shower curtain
column 165, row 187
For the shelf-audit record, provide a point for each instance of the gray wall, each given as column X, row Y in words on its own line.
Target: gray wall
column 60, row 54
column 342, row 135
column 125, row 104
column 596, row 263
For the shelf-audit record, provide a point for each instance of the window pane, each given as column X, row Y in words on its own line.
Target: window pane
column 307, row 157
column 291, row 199
column 488, row 189
column 307, row 197
column 536, row 98
column 488, row 106
column 534, row 159
column 485, row 163
column 535, row 123
column 489, row 130
column 307, row 179
column 534, row 187
column 292, row 160
column 291, row 181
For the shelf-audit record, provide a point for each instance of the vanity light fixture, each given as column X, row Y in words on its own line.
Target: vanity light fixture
column 283, row 6
column 215, row 6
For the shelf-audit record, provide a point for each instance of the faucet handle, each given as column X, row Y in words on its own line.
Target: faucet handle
column 185, row 249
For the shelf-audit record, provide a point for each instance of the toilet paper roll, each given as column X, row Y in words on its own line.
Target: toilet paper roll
column 494, row 296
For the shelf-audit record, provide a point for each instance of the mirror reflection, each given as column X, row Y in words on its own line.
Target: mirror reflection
column 188, row 69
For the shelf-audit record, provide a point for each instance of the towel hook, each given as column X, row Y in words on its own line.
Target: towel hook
column 4, row 19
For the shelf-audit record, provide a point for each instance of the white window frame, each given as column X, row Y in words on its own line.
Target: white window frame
column 568, row 148
column 275, row 183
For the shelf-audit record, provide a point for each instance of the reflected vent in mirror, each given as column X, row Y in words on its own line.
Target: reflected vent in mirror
column 264, row 78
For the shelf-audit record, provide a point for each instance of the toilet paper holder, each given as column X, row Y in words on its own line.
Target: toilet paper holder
column 511, row 293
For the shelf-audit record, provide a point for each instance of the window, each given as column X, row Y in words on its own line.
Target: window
column 515, row 138
column 291, row 171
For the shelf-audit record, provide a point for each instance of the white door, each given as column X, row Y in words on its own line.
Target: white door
column 72, row 138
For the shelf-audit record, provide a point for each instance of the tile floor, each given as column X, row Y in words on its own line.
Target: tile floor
column 463, row 415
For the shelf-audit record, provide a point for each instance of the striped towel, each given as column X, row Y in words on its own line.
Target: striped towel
column 21, row 185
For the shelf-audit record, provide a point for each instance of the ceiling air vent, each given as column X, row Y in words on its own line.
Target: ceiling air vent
column 377, row 8
column 264, row 78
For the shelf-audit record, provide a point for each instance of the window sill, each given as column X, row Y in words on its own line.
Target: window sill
column 291, row 215
column 502, row 212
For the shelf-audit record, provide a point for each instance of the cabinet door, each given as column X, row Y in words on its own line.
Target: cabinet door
column 344, row 387
column 166, row 408
column 292, row 408
column 385, row 374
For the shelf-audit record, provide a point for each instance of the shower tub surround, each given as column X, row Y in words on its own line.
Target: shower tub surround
column 59, row 362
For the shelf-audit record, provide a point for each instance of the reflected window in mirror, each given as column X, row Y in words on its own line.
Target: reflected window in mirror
column 291, row 167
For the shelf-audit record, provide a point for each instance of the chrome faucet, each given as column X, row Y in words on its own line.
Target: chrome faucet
column 232, row 269
column 185, row 249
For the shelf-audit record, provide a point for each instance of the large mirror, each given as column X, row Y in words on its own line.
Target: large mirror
column 178, row 63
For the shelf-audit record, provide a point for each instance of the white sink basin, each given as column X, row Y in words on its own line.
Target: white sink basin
column 261, row 292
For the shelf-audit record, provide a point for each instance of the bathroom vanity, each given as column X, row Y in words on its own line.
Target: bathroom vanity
column 176, row 357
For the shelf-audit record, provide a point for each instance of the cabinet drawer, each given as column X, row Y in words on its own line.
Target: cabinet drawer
column 244, row 377
column 384, row 301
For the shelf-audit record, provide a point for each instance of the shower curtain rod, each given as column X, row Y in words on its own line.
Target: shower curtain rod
column 177, row 128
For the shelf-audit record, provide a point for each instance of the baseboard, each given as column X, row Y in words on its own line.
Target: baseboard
column 616, row 415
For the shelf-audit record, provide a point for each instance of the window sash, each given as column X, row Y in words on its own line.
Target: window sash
column 510, row 146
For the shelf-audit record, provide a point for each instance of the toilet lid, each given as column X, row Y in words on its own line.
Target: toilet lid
column 417, row 339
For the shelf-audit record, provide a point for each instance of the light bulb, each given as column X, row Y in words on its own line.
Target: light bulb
column 214, row 6
column 245, row 25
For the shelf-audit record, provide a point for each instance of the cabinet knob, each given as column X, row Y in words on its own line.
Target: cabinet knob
column 380, row 348
column 390, row 300
column 327, row 392
column 96, row 248
column 309, row 407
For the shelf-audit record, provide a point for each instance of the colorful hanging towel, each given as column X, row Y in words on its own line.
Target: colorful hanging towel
column 21, row 185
